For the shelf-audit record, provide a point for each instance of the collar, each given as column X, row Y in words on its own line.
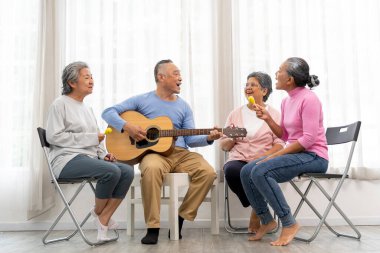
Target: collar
column 296, row 91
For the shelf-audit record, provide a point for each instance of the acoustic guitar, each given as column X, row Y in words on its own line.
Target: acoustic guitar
column 160, row 137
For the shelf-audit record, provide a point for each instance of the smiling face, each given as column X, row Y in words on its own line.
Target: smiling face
column 84, row 85
column 170, row 78
column 253, row 88
column 284, row 80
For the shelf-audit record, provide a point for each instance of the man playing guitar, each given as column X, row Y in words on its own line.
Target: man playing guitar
column 164, row 101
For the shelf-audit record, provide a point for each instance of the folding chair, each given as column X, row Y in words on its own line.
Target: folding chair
column 335, row 135
column 227, row 214
column 57, row 182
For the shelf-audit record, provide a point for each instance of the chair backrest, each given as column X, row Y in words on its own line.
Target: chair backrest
column 343, row 134
column 42, row 135
column 45, row 146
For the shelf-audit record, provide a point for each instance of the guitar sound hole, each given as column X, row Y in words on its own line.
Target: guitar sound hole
column 152, row 134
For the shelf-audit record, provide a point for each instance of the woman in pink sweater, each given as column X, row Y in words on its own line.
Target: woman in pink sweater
column 260, row 140
column 306, row 150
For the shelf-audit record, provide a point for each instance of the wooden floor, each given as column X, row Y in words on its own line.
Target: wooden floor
column 195, row 240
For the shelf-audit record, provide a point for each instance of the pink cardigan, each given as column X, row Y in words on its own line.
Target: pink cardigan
column 245, row 149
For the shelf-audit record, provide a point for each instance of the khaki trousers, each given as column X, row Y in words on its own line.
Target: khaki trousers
column 153, row 169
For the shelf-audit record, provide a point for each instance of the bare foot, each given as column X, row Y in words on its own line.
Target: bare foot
column 254, row 223
column 263, row 230
column 287, row 235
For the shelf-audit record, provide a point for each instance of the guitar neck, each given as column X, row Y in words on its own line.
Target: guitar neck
column 187, row 132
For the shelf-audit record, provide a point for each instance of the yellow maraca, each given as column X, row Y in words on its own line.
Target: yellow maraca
column 251, row 100
column 108, row 130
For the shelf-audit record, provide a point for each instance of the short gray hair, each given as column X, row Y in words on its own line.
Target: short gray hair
column 71, row 74
column 264, row 80
column 158, row 66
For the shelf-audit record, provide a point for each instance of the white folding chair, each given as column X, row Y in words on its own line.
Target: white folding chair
column 335, row 135
column 174, row 181
column 57, row 182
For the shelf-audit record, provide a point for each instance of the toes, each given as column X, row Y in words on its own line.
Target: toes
column 254, row 238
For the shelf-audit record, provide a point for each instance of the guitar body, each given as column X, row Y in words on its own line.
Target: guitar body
column 128, row 150
column 159, row 137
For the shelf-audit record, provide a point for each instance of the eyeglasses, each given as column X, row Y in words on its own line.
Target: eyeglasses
column 253, row 85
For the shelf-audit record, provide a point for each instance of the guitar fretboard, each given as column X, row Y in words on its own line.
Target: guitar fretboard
column 186, row 132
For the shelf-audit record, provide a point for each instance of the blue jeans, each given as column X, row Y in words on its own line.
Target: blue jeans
column 260, row 182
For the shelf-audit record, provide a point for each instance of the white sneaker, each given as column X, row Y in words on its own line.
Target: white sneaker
column 102, row 231
column 111, row 223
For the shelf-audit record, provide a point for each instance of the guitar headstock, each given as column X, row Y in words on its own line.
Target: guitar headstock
column 235, row 132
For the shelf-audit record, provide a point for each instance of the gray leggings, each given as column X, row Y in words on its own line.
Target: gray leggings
column 114, row 179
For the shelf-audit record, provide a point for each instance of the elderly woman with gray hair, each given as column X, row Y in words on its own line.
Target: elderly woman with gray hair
column 260, row 140
column 305, row 152
column 77, row 150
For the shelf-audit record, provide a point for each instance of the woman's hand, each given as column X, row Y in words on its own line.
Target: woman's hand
column 268, row 158
column 261, row 112
column 110, row 157
column 227, row 144
column 101, row 137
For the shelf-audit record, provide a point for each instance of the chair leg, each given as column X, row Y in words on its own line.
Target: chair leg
column 333, row 203
column 326, row 212
column 227, row 219
column 303, row 200
column 173, row 208
column 78, row 226
column 214, row 209
column 130, row 211
column 67, row 207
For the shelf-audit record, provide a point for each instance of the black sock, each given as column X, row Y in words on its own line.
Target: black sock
column 180, row 223
column 151, row 236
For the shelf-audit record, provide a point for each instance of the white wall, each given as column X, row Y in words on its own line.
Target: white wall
column 359, row 199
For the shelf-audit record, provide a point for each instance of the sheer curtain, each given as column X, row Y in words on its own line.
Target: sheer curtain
column 19, row 29
column 340, row 41
column 41, row 193
column 215, row 43
column 123, row 40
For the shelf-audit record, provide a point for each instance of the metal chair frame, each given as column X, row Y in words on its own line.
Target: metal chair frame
column 227, row 215
column 335, row 136
column 228, row 226
column 82, row 182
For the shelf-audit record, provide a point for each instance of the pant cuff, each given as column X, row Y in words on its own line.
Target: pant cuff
column 266, row 218
column 288, row 220
column 153, row 225
column 186, row 217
